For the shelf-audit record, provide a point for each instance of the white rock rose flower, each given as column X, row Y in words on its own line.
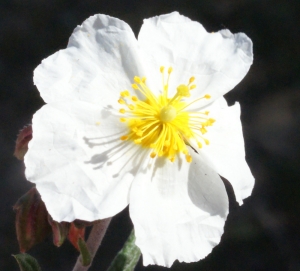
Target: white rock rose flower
column 143, row 122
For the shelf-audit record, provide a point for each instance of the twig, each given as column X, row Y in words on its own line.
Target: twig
column 94, row 241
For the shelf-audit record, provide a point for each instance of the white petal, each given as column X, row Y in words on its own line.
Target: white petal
column 100, row 61
column 178, row 211
column 219, row 61
column 80, row 164
column 226, row 151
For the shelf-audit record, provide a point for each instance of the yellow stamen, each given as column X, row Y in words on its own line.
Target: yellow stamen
column 160, row 123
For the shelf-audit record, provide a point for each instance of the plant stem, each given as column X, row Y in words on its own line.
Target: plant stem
column 94, row 241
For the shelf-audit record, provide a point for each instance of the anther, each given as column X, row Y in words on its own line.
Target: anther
column 122, row 110
column 192, row 87
column 121, row 101
column 162, row 68
column 203, row 130
column 170, row 70
column 183, row 90
column 130, row 106
column 188, row 158
column 137, row 141
column 192, row 79
column 134, row 98
column 206, row 141
column 124, row 93
column 124, row 137
column 137, row 79
column 122, row 119
column 134, row 86
column 207, row 96
column 152, row 154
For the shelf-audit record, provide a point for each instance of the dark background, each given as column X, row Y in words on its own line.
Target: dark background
column 261, row 235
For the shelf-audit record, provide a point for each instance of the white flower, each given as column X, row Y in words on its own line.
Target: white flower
column 107, row 137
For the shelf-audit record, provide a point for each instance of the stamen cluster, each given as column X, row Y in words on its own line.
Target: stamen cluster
column 161, row 123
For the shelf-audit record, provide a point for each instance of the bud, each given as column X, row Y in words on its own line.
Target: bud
column 75, row 234
column 31, row 220
column 60, row 231
column 23, row 138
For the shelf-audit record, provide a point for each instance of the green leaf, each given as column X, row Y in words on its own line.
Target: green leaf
column 127, row 257
column 27, row 262
column 86, row 258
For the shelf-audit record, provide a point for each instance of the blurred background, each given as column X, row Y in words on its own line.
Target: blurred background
column 263, row 234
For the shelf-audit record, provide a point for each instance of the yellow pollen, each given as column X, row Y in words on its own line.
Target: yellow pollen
column 153, row 154
column 188, row 158
column 172, row 159
column 130, row 106
column 124, row 93
column 192, row 79
column 161, row 123
column 135, row 86
column 137, row 79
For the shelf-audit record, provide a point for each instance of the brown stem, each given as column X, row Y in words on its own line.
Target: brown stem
column 94, row 241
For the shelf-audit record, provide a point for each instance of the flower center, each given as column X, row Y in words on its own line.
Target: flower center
column 161, row 123
column 167, row 113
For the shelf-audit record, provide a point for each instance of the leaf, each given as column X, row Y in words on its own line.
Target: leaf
column 27, row 262
column 86, row 257
column 127, row 257
column 31, row 220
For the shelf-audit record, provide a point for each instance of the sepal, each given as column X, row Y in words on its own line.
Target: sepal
column 86, row 257
column 75, row 234
column 60, row 231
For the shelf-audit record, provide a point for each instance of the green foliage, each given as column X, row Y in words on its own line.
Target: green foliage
column 127, row 257
column 27, row 262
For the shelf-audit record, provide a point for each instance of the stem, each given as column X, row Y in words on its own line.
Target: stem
column 94, row 241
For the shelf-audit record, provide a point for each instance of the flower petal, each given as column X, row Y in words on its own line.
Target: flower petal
column 178, row 210
column 100, row 61
column 226, row 152
column 77, row 160
column 219, row 61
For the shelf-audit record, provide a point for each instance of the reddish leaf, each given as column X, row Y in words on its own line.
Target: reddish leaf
column 31, row 220
column 24, row 137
